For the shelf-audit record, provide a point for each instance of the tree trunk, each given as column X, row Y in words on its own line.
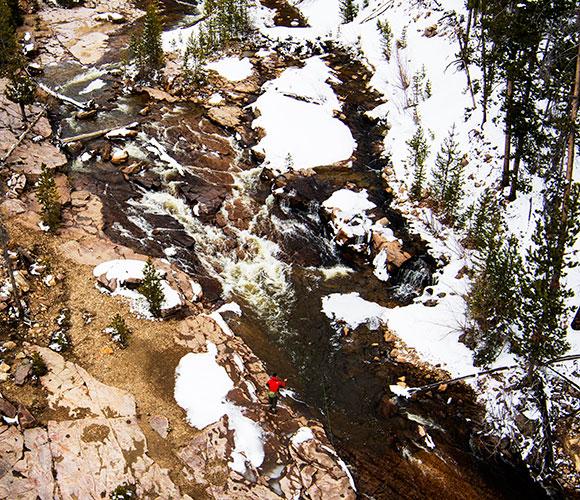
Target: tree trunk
column 23, row 111
column 505, row 178
column 572, row 134
column 15, row 293
column 515, row 171
column 555, row 284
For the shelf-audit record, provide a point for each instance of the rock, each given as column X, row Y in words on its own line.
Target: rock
column 63, row 189
column 159, row 95
column 160, row 425
column 226, row 116
column 17, row 183
column 4, row 377
column 12, row 206
column 134, row 168
column 4, row 367
column 576, row 321
column 22, row 371
column 430, row 303
column 21, row 281
column 110, row 17
column 388, row 408
column 75, row 148
column 430, row 31
column 395, row 253
column 9, row 345
column 90, row 47
column 7, row 408
column 25, row 418
column 86, row 115
column 80, row 198
column 119, row 156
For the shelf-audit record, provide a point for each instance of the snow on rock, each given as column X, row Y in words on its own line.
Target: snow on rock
column 302, row 435
column 123, row 276
column 201, row 388
column 380, row 265
column 400, row 391
column 218, row 318
column 353, row 310
column 121, row 270
column 247, row 439
column 296, row 114
column 349, row 203
column 215, row 99
column 232, row 68
column 349, row 220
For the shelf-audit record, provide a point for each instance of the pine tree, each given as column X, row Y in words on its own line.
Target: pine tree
column 418, row 152
column 348, row 10
column 9, row 50
column 47, row 196
column 446, row 186
column 543, row 322
column 21, row 90
column 15, row 12
column 493, row 301
column 386, row 37
column 119, row 331
column 151, row 289
column 481, row 220
column 147, row 48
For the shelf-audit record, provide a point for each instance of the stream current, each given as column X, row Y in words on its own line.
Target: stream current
column 278, row 262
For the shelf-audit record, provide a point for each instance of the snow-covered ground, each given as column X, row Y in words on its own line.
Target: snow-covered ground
column 297, row 116
column 201, row 389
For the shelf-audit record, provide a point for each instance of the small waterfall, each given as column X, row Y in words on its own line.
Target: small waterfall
column 411, row 279
column 246, row 265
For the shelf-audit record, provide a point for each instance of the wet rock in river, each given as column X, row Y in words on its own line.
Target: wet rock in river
column 226, row 116
column 86, row 115
column 119, row 156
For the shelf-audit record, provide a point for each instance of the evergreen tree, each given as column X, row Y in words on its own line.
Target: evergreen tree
column 482, row 219
column 9, row 50
column 15, row 13
column 386, row 37
column 418, row 152
column 543, row 322
column 151, row 289
column 119, row 331
column 493, row 301
column 21, row 90
column 348, row 10
column 227, row 21
column 47, row 196
column 446, row 186
column 147, row 49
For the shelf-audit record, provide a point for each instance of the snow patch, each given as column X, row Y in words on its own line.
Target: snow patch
column 302, row 435
column 232, row 68
column 296, row 113
column 352, row 309
column 201, row 388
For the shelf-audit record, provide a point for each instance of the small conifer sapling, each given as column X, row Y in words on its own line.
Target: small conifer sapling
column 47, row 196
column 151, row 289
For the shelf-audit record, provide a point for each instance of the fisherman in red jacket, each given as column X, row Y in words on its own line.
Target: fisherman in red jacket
column 274, row 385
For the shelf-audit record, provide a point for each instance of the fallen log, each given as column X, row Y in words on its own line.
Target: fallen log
column 63, row 98
column 97, row 133
column 22, row 136
column 88, row 135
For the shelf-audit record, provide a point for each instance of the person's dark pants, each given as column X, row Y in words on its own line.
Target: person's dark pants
column 273, row 400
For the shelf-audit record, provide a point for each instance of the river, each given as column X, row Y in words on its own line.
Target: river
column 277, row 261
